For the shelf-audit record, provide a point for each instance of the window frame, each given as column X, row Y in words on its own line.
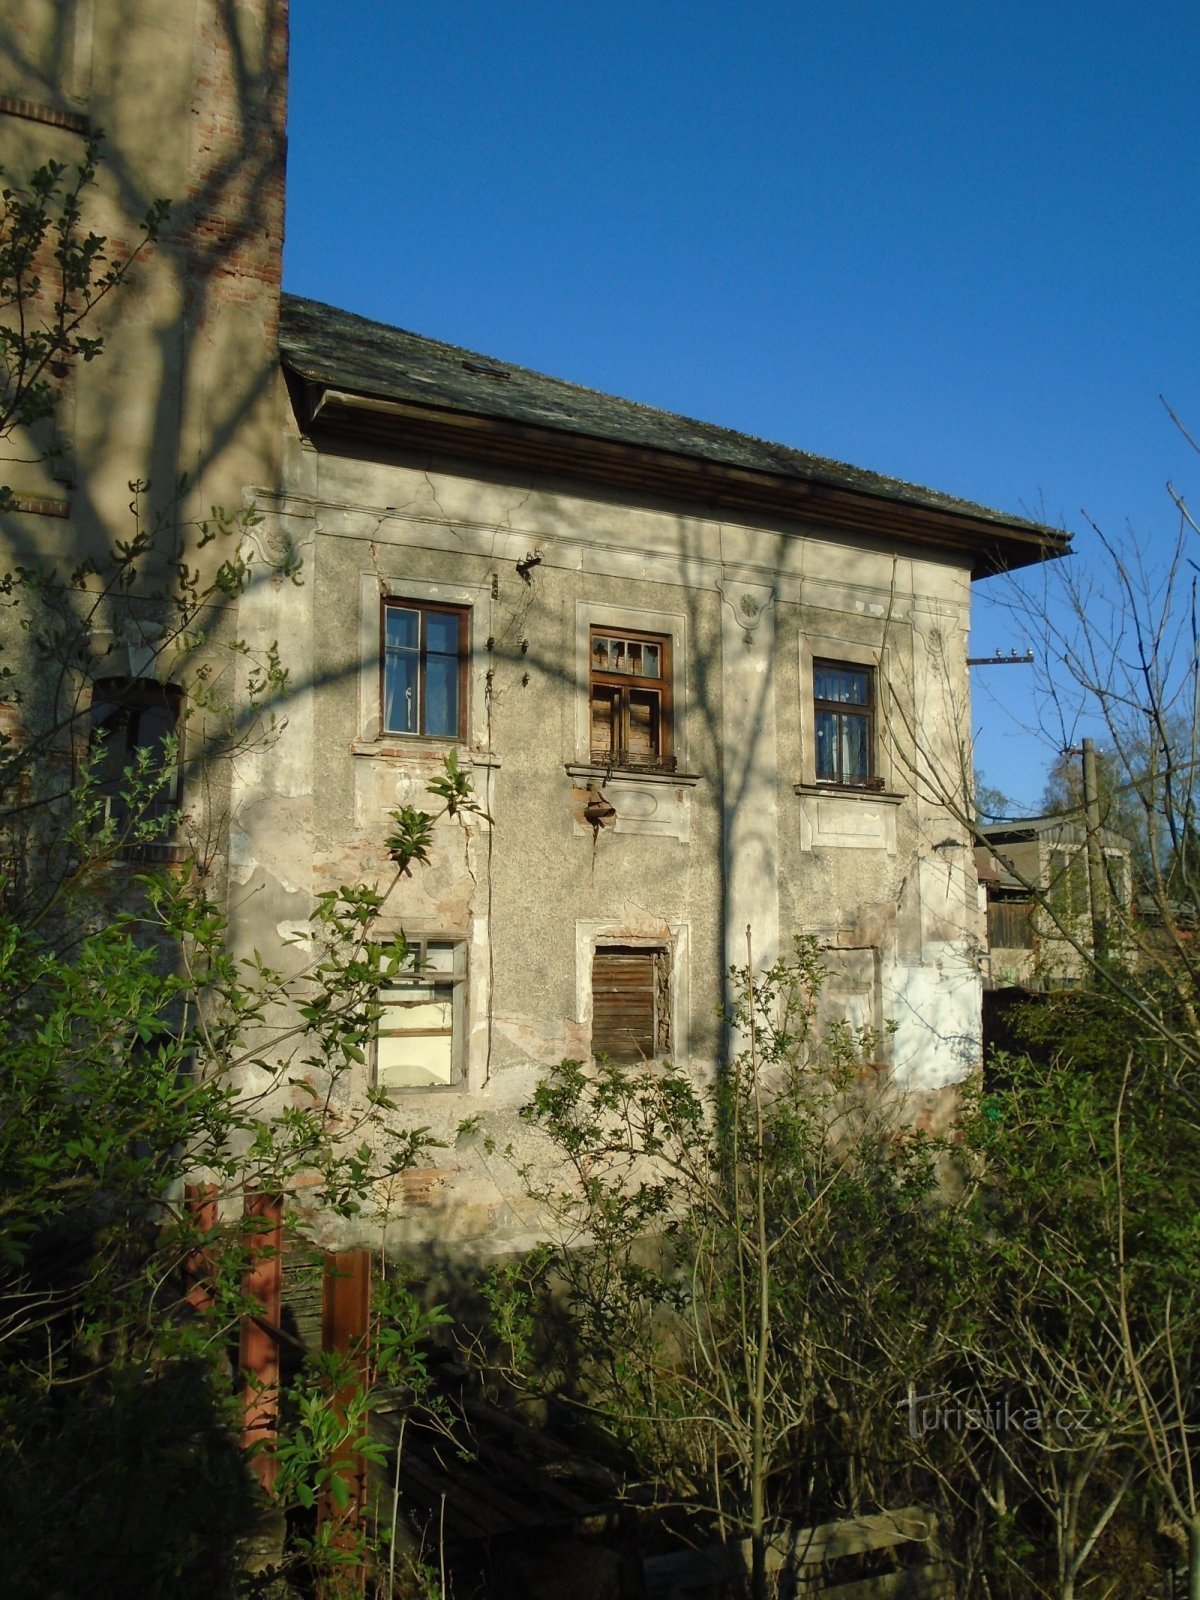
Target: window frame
column 865, row 711
column 416, row 975
column 623, row 685
column 130, row 697
column 424, row 608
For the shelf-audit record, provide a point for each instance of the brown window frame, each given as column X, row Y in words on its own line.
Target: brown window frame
column 125, row 701
column 623, row 686
column 863, row 711
column 423, row 609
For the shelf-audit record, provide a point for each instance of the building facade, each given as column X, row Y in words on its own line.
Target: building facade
column 711, row 693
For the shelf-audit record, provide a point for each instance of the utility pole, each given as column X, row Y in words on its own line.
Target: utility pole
column 1097, row 886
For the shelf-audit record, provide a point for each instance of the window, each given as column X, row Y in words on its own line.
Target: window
column 1009, row 922
column 1068, row 887
column 424, row 669
column 631, row 1003
column 136, row 728
column 422, row 1022
column 630, row 690
column 844, row 707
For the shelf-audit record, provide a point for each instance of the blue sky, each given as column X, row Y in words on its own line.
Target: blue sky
column 954, row 243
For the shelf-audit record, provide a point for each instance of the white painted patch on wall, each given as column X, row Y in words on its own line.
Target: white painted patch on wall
column 242, row 863
column 936, row 1005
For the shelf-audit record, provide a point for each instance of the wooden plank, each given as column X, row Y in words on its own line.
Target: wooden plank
column 930, row 1582
column 623, row 1004
column 258, row 1355
column 832, row 1540
column 345, row 1322
column 804, row 1547
column 471, row 1498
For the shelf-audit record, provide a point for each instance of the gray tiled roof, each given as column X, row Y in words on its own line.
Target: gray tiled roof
column 342, row 351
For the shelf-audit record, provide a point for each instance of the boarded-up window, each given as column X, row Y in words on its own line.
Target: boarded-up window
column 422, row 1020
column 850, row 993
column 1010, row 924
column 631, row 1003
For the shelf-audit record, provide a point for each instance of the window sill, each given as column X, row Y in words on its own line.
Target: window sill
column 399, row 1090
column 430, row 752
column 151, row 852
column 851, row 791
column 588, row 771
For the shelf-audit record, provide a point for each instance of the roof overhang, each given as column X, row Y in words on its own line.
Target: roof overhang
column 986, row 544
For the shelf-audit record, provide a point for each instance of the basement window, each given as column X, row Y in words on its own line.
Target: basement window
column 631, row 1003
column 422, row 1021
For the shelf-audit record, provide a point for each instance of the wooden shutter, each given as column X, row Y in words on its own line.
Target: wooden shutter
column 624, row 1004
column 1010, row 925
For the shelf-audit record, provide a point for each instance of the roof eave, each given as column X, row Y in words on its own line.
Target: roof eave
column 989, row 545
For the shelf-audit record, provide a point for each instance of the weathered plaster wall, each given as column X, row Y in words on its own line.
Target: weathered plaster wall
column 191, row 95
column 739, row 835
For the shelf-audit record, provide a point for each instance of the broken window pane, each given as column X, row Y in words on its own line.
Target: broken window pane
column 603, row 719
column 643, row 724
column 630, row 723
column 422, row 1019
column 414, row 1062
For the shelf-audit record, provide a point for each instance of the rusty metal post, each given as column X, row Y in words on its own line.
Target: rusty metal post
column 345, row 1322
column 200, row 1200
column 258, row 1357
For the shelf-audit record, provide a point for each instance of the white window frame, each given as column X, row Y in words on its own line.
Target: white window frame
column 420, row 655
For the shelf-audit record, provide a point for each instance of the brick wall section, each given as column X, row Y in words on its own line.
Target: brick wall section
column 231, row 224
column 73, row 121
